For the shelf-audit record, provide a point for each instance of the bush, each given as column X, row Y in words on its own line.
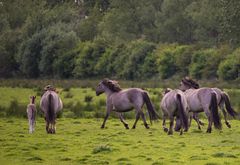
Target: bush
column 15, row 109
column 229, row 69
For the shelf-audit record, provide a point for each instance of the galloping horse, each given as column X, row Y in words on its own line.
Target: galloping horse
column 119, row 100
column 173, row 104
column 202, row 99
column 222, row 98
column 50, row 104
column 31, row 113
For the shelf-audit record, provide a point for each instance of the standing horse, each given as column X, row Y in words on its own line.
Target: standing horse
column 202, row 99
column 31, row 113
column 120, row 101
column 174, row 104
column 50, row 104
column 222, row 98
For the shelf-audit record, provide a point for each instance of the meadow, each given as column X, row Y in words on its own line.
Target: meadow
column 81, row 141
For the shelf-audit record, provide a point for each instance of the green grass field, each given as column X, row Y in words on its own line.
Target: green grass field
column 81, row 141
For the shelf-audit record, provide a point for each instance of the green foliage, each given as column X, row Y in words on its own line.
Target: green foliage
column 88, row 58
column 205, row 63
column 117, row 38
column 229, row 69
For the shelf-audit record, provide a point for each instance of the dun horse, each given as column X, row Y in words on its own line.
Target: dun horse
column 222, row 99
column 174, row 104
column 31, row 113
column 202, row 99
column 120, row 101
column 50, row 104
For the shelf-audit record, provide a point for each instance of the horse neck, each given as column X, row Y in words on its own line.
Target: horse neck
column 108, row 92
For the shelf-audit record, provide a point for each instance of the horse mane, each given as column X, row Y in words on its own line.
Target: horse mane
column 112, row 85
column 166, row 91
column 190, row 82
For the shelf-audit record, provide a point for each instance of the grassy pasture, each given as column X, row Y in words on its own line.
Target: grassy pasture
column 81, row 141
column 78, row 102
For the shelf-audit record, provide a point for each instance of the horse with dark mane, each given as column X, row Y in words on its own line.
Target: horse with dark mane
column 174, row 104
column 120, row 101
column 31, row 113
column 222, row 99
column 50, row 105
column 202, row 99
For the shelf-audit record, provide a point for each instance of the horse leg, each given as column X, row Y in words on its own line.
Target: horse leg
column 137, row 118
column 178, row 124
column 123, row 121
column 225, row 115
column 209, row 116
column 195, row 117
column 170, row 131
column 164, row 124
column 47, row 127
column 105, row 119
column 144, row 119
column 30, row 126
column 109, row 109
column 54, row 127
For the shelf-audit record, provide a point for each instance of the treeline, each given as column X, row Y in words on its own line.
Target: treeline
column 127, row 39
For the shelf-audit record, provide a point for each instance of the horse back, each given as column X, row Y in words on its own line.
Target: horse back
column 55, row 101
column 127, row 99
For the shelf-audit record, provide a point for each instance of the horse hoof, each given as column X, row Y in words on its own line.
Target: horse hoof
column 209, row 131
column 134, row 127
column 170, row 132
column 165, row 129
column 199, row 128
column 102, row 127
column 201, row 123
column 228, row 125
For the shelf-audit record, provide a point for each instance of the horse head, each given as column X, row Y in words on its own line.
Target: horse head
column 107, row 84
column 188, row 83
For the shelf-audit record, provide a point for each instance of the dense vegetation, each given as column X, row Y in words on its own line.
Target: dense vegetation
column 127, row 39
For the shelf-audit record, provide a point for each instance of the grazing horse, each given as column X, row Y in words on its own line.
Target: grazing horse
column 31, row 113
column 50, row 104
column 202, row 99
column 174, row 104
column 120, row 101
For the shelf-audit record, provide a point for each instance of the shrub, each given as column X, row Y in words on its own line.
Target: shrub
column 229, row 69
column 15, row 109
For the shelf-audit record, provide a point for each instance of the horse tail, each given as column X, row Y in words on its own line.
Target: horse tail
column 151, row 111
column 214, row 111
column 228, row 106
column 181, row 112
column 51, row 114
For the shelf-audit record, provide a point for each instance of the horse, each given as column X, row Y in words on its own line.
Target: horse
column 174, row 104
column 50, row 104
column 31, row 113
column 120, row 101
column 202, row 99
column 222, row 99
